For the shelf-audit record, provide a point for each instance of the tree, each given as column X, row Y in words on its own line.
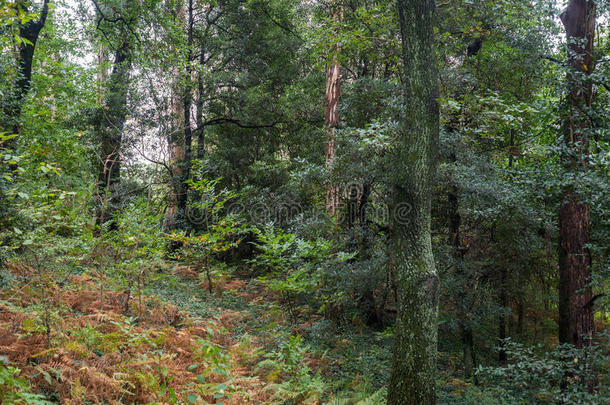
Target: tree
column 181, row 139
column 575, row 294
column 333, row 92
column 28, row 34
column 413, row 374
column 112, row 117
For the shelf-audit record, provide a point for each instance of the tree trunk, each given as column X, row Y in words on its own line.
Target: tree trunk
column 110, row 129
column 188, row 133
column 413, row 374
column 200, row 100
column 102, row 74
column 333, row 92
column 575, row 295
column 470, row 360
column 503, row 315
column 455, row 221
column 181, row 138
column 30, row 32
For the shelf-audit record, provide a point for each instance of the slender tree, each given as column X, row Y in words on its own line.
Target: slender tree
column 575, row 296
column 113, row 115
column 110, row 129
column 181, row 138
column 413, row 374
column 187, row 100
column 333, row 92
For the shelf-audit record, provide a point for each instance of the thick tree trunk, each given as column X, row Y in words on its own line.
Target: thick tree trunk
column 413, row 374
column 110, row 129
column 333, row 92
column 575, row 296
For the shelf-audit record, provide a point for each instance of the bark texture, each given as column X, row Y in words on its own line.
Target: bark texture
column 413, row 374
column 181, row 138
column 29, row 31
column 110, row 129
column 188, row 132
column 575, row 295
column 333, row 92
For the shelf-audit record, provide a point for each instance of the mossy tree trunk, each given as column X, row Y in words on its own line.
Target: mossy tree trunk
column 414, row 365
column 575, row 295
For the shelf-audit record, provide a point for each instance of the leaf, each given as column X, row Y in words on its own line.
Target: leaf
column 192, row 367
column 192, row 398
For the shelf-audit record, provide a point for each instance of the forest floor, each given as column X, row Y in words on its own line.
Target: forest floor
column 177, row 342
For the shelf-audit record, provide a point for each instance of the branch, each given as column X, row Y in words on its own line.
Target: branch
column 116, row 19
column 552, row 59
column 238, row 123
column 43, row 15
column 592, row 300
column 287, row 29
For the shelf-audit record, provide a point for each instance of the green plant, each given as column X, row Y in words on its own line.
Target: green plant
column 293, row 265
column 561, row 375
column 213, row 361
column 220, row 232
column 16, row 390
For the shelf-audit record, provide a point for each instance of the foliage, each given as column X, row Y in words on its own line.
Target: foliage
column 293, row 266
column 309, row 298
column 16, row 390
column 561, row 376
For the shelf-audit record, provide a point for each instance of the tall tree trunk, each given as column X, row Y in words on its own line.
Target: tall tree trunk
column 413, row 374
column 176, row 155
column 110, row 129
column 188, row 132
column 333, row 92
column 181, row 138
column 455, row 241
column 575, row 296
column 503, row 314
column 200, row 101
column 12, row 107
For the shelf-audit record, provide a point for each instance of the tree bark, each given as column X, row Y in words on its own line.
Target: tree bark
column 333, row 92
column 102, row 74
column 181, row 139
column 576, row 323
column 502, row 315
column 188, row 132
column 29, row 31
column 110, row 130
column 413, row 374
column 200, row 101
column 455, row 241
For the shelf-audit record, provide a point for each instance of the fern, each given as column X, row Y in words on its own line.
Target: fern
column 377, row 398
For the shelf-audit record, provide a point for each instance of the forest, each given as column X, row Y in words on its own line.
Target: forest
column 402, row 202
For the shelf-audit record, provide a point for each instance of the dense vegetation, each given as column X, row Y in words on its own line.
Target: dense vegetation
column 322, row 201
